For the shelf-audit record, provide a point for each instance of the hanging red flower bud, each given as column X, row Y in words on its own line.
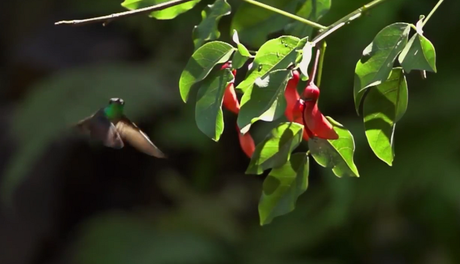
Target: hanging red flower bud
column 297, row 114
column 231, row 103
column 294, row 105
column 230, row 100
column 246, row 142
column 314, row 120
column 291, row 95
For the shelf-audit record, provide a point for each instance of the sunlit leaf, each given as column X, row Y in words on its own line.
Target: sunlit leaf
column 264, row 103
column 254, row 24
column 201, row 63
column 273, row 55
column 336, row 154
column 282, row 187
column 242, row 53
column 378, row 57
column 207, row 29
column 312, row 10
column 168, row 13
column 383, row 106
column 419, row 54
column 208, row 110
column 276, row 148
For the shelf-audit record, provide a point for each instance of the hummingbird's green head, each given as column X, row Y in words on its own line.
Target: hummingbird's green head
column 115, row 108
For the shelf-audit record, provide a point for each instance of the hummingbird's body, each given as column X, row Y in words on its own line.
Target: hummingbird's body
column 112, row 127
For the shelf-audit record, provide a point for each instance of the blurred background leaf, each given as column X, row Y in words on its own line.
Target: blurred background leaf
column 75, row 195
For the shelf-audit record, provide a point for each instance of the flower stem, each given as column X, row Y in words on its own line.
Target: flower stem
column 315, row 66
column 321, row 62
column 286, row 14
column 432, row 12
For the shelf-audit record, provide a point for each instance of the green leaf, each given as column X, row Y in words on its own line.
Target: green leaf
column 207, row 29
column 273, row 55
column 383, row 106
column 264, row 103
column 254, row 24
column 375, row 65
column 168, row 13
column 276, row 148
column 208, row 111
column 201, row 63
column 238, row 60
column 242, row 53
column 312, row 10
column 336, row 154
column 282, row 187
column 419, row 54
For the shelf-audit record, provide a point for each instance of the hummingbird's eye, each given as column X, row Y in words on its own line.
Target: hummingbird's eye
column 117, row 101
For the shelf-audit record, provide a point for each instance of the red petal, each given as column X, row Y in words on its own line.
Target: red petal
column 311, row 92
column 298, row 117
column 291, row 95
column 306, row 132
column 230, row 100
column 246, row 143
column 297, row 110
column 317, row 123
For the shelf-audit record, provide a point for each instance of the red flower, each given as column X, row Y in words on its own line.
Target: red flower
column 291, row 94
column 294, row 107
column 246, row 142
column 305, row 110
column 314, row 120
column 231, row 103
column 230, row 100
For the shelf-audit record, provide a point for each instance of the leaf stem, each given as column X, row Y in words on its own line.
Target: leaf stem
column 321, row 62
column 286, row 14
column 108, row 18
column 432, row 12
column 345, row 20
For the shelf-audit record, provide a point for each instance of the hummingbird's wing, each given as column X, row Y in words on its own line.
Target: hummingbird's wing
column 99, row 127
column 131, row 133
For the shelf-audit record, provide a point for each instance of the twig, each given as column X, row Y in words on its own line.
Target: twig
column 108, row 18
column 315, row 66
column 321, row 63
column 432, row 12
column 345, row 20
column 286, row 14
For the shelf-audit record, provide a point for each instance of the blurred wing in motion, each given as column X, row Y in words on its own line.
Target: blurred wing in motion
column 131, row 133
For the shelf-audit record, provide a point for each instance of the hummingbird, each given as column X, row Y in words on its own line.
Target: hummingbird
column 113, row 128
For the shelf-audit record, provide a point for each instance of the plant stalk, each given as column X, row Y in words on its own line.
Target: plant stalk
column 108, row 18
column 345, row 20
column 321, row 63
column 286, row 14
column 432, row 12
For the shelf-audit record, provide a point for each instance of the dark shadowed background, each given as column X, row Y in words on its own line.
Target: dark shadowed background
column 74, row 201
